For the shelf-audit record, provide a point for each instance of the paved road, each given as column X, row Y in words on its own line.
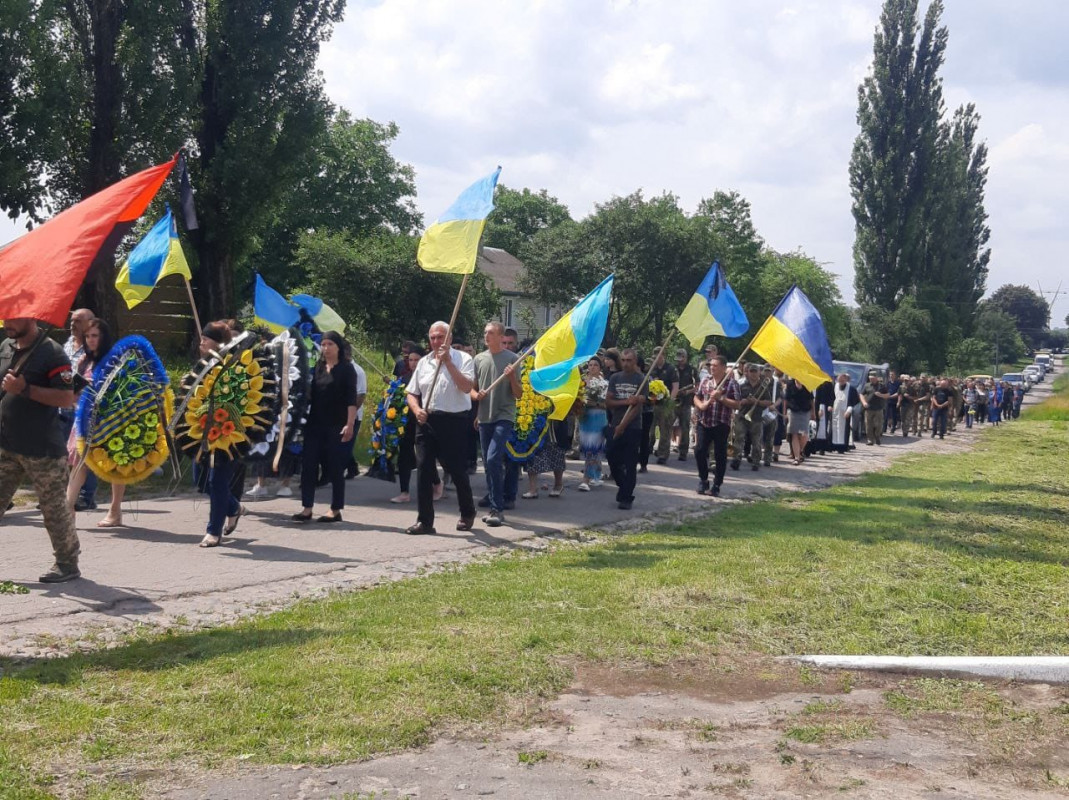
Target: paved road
column 152, row 572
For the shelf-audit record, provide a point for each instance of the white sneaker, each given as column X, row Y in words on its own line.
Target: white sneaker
column 284, row 491
column 257, row 492
column 596, row 483
column 583, row 487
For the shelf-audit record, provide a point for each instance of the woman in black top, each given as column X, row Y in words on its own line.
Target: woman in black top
column 328, row 435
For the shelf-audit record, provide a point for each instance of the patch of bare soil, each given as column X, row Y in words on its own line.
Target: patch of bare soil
column 748, row 728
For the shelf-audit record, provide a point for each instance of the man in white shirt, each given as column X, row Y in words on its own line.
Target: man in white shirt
column 443, row 416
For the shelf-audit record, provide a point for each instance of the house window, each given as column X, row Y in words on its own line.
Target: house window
column 507, row 314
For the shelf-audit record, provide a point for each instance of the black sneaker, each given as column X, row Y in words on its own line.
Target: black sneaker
column 61, row 574
column 419, row 529
column 625, row 505
column 715, row 491
column 703, row 487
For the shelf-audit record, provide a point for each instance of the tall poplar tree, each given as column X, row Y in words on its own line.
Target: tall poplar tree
column 899, row 109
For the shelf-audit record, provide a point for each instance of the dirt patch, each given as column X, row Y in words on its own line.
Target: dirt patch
column 745, row 727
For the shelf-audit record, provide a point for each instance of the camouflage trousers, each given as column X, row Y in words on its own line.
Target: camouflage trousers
column 740, row 429
column 908, row 413
column 48, row 476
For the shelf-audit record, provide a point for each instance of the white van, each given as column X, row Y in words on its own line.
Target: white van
column 1045, row 360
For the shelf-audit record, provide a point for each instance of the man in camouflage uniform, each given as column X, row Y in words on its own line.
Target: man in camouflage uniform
column 874, row 400
column 907, row 405
column 924, row 405
column 37, row 381
column 769, row 426
column 755, row 397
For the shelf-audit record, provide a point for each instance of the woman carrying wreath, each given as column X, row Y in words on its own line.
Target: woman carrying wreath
column 97, row 344
column 328, row 436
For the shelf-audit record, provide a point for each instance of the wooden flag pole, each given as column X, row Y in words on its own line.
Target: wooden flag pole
column 193, row 305
column 630, row 413
column 502, row 376
column 448, row 341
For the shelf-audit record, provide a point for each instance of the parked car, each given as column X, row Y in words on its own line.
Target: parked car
column 1045, row 360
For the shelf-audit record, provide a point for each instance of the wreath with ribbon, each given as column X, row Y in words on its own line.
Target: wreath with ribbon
column 391, row 418
column 290, row 366
column 532, row 415
column 227, row 401
column 121, row 417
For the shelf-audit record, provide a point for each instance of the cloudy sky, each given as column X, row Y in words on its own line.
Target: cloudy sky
column 601, row 97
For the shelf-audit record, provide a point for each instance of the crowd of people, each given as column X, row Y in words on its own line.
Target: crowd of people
column 461, row 404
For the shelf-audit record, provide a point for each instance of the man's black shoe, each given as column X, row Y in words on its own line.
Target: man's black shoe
column 715, row 491
column 61, row 574
column 419, row 529
column 735, row 463
column 642, row 468
column 624, row 505
column 484, row 502
column 683, row 457
column 703, row 487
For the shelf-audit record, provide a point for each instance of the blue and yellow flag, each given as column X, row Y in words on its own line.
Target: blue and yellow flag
column 569, row 342
column 713, row 310
column 272, row 310
column 156, row 256
column 793, row 340
column 325, row 317
column 451, row 244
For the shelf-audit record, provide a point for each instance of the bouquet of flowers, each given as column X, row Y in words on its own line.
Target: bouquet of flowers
column 120, row 422
column 532, row 412
column 595, row 390
column 658, row 391
column 391, row 416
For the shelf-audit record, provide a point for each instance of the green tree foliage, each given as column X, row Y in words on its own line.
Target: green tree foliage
column 260, row 111
column 350, row 182
column 374, row 282
column 1027, row 307
column 998, row 330
column 896, row 337
column 660, row 254
column 917, row 182
column 969, row 356
column 519, row 215
column 93, row 91
column 899, row 107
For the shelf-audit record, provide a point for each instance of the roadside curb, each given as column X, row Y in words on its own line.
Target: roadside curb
column 1043, row 669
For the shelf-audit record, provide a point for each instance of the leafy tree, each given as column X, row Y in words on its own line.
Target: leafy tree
column 260, row 111
column 519, row 215
column 349, row 182
column 1027, row 307
column 899, row 109
column 99, row 90
column 727, row 232
column 969, row 356
column 374, row 282
column 781, row 271
column 896, row 337
column 998, row 330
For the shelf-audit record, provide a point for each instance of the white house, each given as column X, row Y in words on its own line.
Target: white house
column 519, row 309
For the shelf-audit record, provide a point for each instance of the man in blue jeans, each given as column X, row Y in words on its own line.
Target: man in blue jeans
column 496, row 416
column 940, row 408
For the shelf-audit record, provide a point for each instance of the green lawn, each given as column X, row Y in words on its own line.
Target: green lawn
column 950, row 555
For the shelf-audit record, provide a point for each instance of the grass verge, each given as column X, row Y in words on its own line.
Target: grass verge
column 949, row 555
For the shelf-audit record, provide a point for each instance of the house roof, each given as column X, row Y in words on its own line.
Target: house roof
column 503, row 268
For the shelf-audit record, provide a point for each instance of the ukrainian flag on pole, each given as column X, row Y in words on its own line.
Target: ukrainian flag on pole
column 325, row 317
column 451, row 244
column 793, row 340
column 156, row 256
column 271, row 309
column 713, row 310
column 569, row 342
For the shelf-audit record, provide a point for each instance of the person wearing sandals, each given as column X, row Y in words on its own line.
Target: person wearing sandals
column 332, row 424
column 550, row 457
column 592, row 425
column 224, row 510
column 97, row 340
